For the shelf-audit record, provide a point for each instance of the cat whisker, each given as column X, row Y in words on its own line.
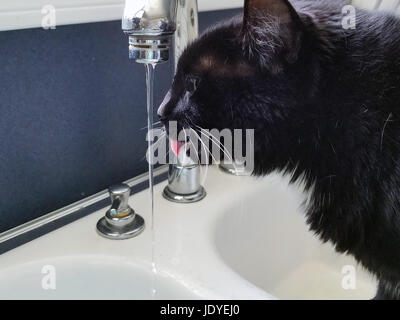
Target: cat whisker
column 156, row 125
column 221, row 147
column 210, row 137
column 208, row 150
column 197, row 156
column 203, row 143
column 204, row 174
column 383, row 130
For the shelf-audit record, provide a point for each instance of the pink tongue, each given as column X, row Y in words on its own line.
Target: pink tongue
column 176, row 146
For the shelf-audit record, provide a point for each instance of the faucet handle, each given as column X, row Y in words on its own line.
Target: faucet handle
column 119, row 195
column 120, row 221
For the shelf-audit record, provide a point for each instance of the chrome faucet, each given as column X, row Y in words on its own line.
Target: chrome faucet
column 151, row 25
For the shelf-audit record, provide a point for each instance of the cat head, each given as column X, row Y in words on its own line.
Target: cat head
column 243, row 73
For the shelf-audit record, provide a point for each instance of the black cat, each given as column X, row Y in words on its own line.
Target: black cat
column 324, row 102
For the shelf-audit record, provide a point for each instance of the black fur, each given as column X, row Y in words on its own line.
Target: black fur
column 325, row 105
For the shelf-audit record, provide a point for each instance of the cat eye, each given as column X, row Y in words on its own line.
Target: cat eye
column 191, row 83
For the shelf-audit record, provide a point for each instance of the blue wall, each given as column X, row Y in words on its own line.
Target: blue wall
column 71, row 111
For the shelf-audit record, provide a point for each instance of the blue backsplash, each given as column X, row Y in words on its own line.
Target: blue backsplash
column 72, row 115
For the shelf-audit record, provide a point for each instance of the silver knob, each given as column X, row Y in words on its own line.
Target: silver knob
column 120, row 221
column 119, row 195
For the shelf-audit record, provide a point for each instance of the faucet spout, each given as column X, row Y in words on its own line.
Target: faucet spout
column 150, row 25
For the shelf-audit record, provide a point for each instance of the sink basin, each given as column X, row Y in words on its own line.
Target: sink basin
column 87, row 278
column 247, row 239
column 264, row 238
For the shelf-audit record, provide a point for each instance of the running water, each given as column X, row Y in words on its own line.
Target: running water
column 149, row 83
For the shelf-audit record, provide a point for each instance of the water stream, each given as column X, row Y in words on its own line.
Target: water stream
column 150, row 68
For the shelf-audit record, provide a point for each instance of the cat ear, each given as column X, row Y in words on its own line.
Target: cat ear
column 271, row 32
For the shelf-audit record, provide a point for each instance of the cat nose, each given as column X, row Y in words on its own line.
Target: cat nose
column 162, row 107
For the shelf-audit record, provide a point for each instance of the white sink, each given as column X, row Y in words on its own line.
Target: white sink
column 245, row 240
column 87, row 278
column 264, row 238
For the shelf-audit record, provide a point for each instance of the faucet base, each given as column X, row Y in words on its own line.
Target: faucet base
column 184, row 198
column 236, row 170
column 127, row 231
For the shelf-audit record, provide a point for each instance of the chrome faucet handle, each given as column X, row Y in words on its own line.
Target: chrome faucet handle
column 119, row 195
column 184, row 184
column 120, row 221
column 184, row 178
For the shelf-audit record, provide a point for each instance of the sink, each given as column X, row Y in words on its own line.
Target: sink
column 87, row 278
column 246, row 240
column 264, row 238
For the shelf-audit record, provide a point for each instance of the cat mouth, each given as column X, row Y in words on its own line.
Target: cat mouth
column 189, row 153
column 182, row 152
column 183, row 146
column 176, row 146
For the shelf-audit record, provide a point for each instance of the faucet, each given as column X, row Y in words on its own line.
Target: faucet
column 151, row 25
